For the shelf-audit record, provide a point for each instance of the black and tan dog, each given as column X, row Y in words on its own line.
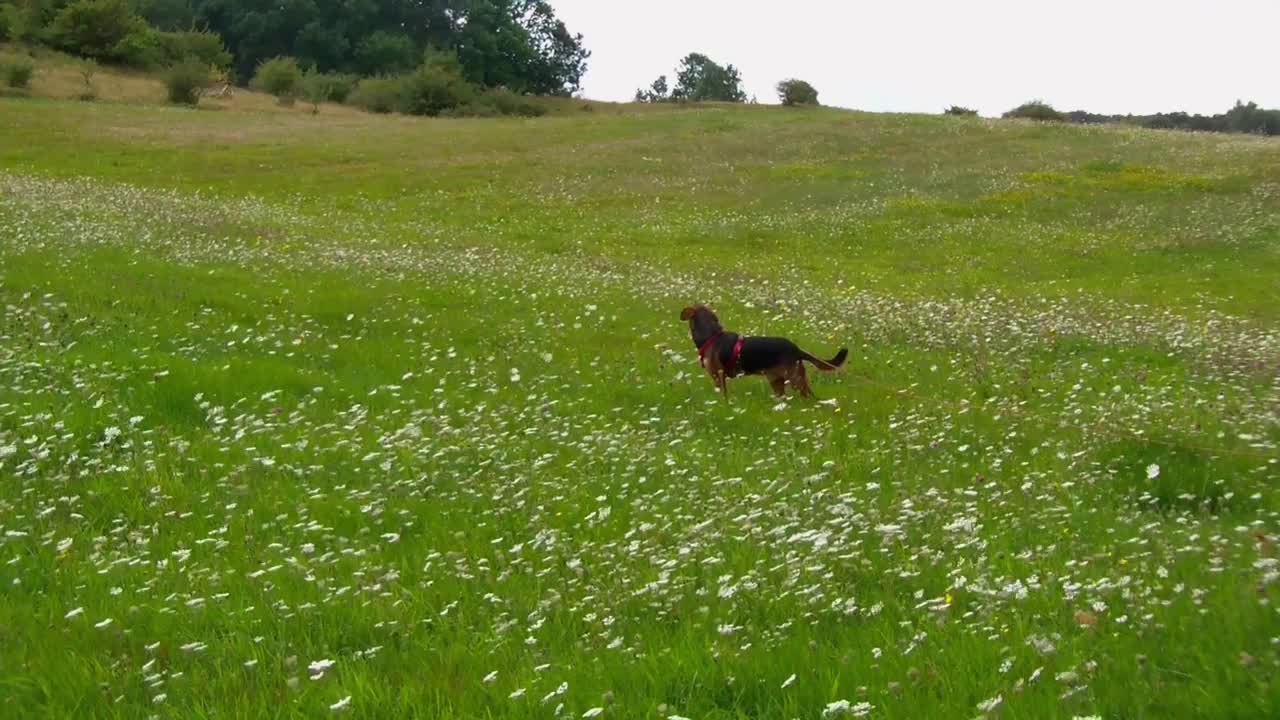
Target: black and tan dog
column 726, row 355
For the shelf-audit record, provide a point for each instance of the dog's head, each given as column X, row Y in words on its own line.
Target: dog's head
column 698, row 313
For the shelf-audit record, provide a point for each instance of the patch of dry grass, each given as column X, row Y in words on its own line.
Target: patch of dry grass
column 60, row 76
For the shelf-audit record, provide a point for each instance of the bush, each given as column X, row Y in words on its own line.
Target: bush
column 476, row 109
column 7, row 13
column 505, row 102
column 1036, row 110
column 93, row 28
column 433, row 89
column 89, row 91
column 960, row 110
column 339, row 86
column 207, row 47
column 327, row 87
column 142, row 49
column 186, row 81
column 318, row 87
column 17, row 72
column 376, row 94
column 279, row 76
column 797, row 92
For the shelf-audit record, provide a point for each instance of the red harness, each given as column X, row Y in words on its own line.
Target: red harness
column 731, row 369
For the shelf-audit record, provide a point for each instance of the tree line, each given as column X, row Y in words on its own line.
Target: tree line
column 519, row 45
column 1242, row 118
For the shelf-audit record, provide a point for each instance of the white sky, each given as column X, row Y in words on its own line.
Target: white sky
column 1116, row 56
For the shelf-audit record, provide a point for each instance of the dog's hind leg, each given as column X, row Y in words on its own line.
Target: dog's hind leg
column 778, row 382
column 800, row 380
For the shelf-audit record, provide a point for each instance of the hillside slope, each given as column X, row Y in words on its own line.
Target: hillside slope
column 303, row 415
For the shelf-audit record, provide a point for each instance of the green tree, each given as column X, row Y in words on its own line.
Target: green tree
column 31, row 20
column 657, row 92
column 316, row 88
column 519, row 44
column 202, row 45
column 699, row 78
column 559, row 59
column 93, row 28
column 797, row 92
column 323, row 45
column 385, row 52
column 168, row 15
column 1036, row 110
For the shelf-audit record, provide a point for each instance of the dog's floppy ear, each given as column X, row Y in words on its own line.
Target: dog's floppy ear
column 687, row 313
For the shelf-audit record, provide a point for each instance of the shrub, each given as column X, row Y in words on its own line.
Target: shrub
column 186, row 81
column 478, row 109
column 505, row 102
column 327, row 87
column 318, row 87
column 433, row 89
column 7, row 13
column 17, row 72
column 376, row 94
column 960, row 110
column 93, row 28
column 339, row 86
column 89, row 89
column 279, row 76
column 150, row 48
column 207, row 47
column 142, row 49
column 797, row 92
column 1035, row 110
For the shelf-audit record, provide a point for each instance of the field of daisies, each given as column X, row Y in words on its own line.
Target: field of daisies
column 367, row 417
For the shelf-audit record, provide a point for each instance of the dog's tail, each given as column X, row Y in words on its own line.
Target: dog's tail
column 828, row 365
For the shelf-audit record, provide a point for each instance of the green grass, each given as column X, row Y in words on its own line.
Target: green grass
column 412, row 397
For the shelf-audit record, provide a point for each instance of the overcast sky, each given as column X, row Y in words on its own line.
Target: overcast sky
column 1119, row 56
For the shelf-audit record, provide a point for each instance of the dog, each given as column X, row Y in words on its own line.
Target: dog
column 726, row 355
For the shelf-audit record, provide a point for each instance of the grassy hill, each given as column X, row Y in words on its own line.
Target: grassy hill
column 396, row 418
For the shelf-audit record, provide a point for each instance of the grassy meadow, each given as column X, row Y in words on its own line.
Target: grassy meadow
column 377, row 417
